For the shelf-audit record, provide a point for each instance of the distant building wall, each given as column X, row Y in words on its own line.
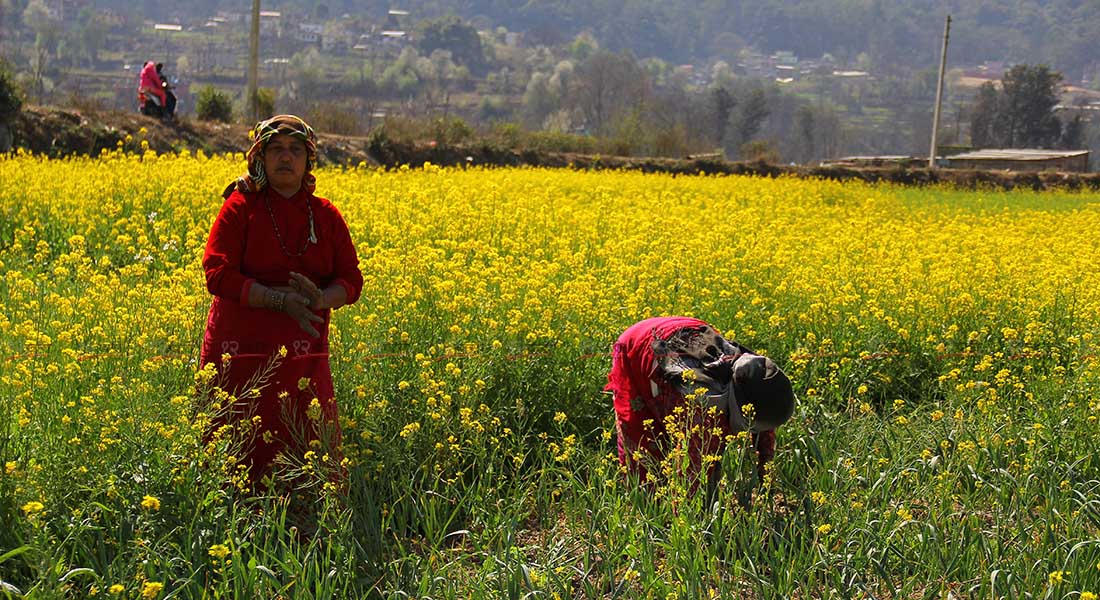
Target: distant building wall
column 1077, row 163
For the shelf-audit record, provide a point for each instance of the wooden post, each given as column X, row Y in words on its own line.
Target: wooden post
column 253, row 64
column 939, row 95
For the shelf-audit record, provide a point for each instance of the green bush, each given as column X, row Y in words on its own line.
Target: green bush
column 265, row 102
column 450, row 130
column 213, row 105
column 11, row 102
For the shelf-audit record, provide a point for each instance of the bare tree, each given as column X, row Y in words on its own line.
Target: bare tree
column 607, row 85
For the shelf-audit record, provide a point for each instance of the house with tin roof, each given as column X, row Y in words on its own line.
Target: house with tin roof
column 1013, row 159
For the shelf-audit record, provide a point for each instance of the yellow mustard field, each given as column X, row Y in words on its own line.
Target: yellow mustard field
column 943, row 345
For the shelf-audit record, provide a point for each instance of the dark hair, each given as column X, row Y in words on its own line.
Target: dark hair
column 769, row 390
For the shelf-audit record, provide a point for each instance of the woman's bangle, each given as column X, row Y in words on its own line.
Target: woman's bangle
column 276, row 300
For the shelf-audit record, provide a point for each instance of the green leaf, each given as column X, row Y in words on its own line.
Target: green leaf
column 269, row 573
column 13, row 553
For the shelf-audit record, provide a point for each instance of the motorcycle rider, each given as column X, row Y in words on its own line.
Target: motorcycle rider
column 151, row 83
column 169, row 95
column 154, row 93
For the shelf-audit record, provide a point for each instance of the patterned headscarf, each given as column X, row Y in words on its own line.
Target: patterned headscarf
column 256, row 179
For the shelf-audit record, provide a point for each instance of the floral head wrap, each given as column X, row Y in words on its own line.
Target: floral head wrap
column 256, row 179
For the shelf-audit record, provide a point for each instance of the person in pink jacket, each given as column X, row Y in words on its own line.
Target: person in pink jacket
column 151, row 82
column 663, row 363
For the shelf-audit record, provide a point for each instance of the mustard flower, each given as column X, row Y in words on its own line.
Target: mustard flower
column 151, row 589
column 33, row 507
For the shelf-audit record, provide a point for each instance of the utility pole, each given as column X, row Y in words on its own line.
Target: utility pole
column 939, row 95
column 253, row 63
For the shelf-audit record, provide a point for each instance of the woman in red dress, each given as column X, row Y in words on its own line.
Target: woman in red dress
column 278, row 261
column 661, row 364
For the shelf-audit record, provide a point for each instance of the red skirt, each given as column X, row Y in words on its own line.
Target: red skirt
column 292, row 395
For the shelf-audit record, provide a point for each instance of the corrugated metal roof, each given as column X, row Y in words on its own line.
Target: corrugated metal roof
column 1017, row 154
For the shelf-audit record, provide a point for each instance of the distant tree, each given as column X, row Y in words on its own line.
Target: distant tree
column 401, row 77
column 583, row 46
column 724, row 103
column 305, row 73
column 605, row 86
column 1073, row 134
column 1030, row 95
column 37, row 18
column 46, row 35
column 545, row 94
column 456, row 37
column 805, row 123
column 563, row 76
column 440, row 75
column 721, row 74
column 212, row 104
column 749, row 117
column 10, row 105
column 983, row 114
column 90, row 35
column 829, row 134
column 39, row 59
column 539, row 99
column 1021, row 113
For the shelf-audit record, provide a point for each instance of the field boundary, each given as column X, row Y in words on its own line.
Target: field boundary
column 59, row 132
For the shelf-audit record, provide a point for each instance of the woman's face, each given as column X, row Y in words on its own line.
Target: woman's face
column 285, row 163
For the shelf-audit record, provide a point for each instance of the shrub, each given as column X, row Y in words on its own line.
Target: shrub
column 213, row 105
column 759, row 151
column 265, row 102
column 671, row 142
column 507, row 135
column 331, row 118
column 493, row 108
column 556, row 141
column 11, row 102
column 450, row 130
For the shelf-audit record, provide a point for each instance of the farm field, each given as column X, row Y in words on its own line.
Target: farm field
column 943, row 345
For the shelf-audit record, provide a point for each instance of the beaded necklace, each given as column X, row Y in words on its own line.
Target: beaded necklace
column 312, row 239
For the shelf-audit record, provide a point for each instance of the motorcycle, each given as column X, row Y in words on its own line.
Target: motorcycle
column 150, row 104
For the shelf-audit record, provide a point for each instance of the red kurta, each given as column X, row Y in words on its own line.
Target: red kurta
column 641, row 393
column 243, row 249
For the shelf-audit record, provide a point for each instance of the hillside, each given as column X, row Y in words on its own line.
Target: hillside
column 890, row 33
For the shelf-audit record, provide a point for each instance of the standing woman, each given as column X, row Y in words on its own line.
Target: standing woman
column 278, row 260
